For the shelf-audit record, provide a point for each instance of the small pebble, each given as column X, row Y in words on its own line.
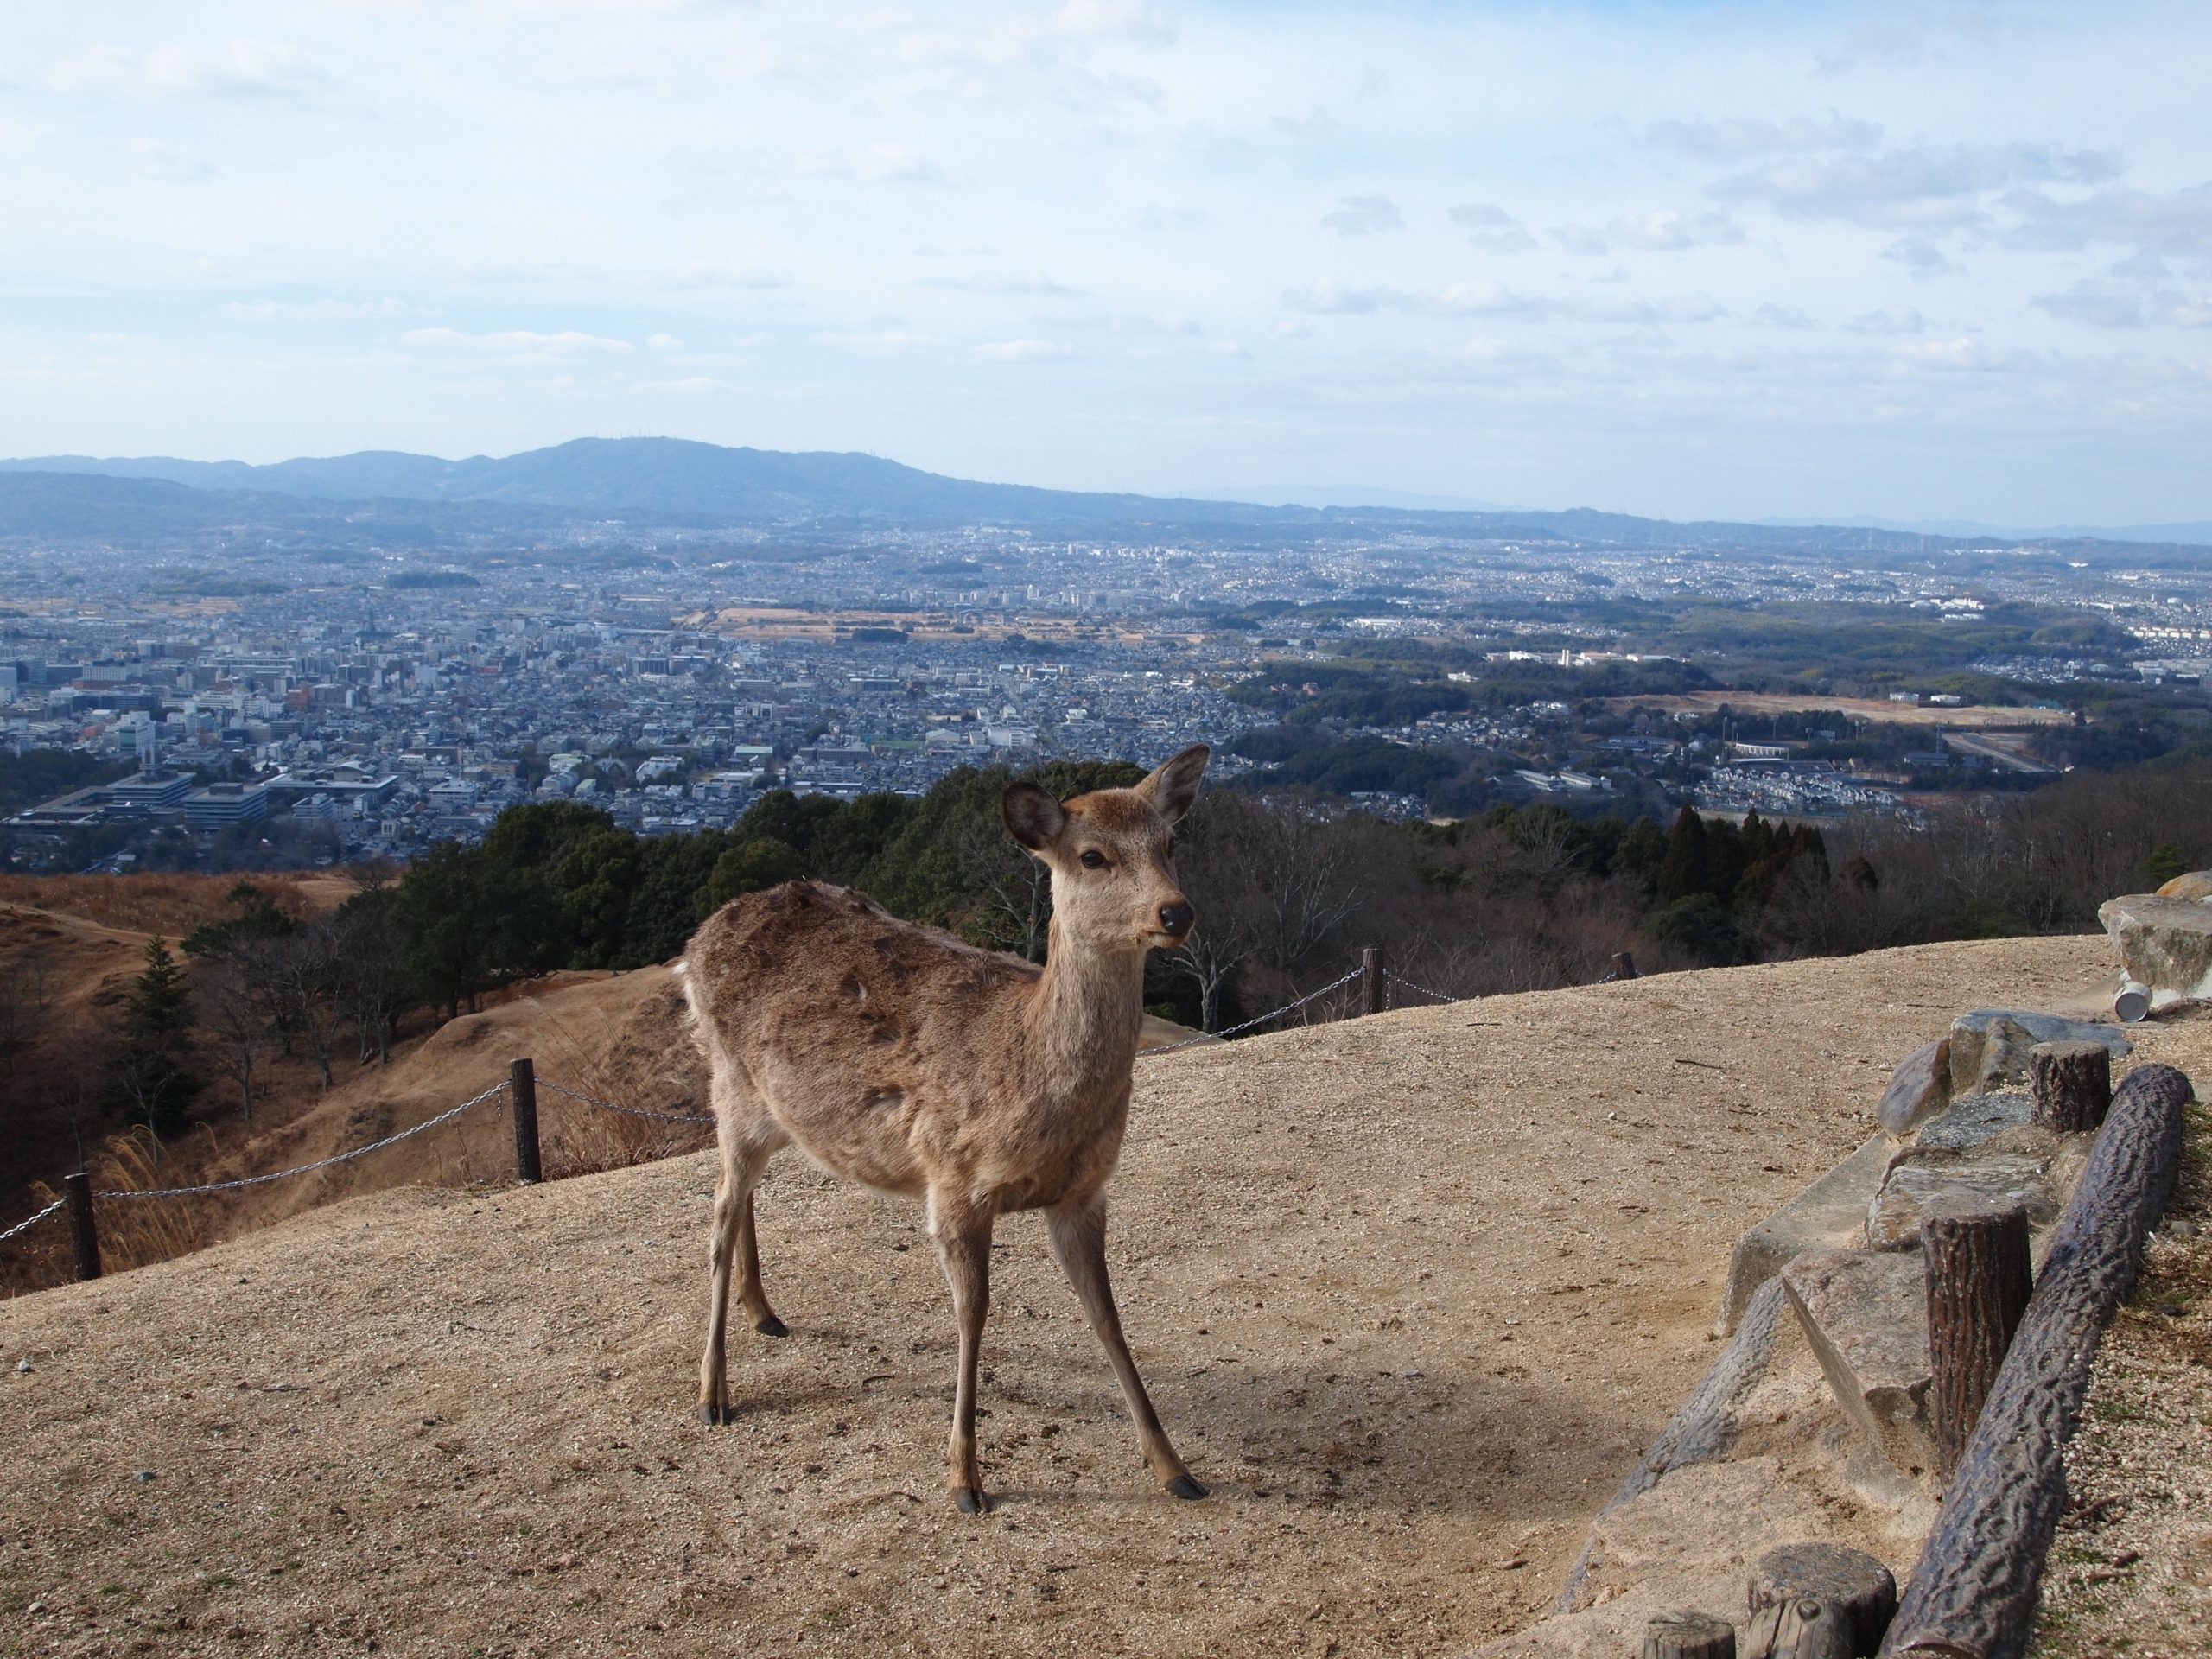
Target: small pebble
column 143, row 1475
column 23, row 1368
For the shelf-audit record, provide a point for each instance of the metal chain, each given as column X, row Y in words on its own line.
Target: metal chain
column 303, row 1169
column 1221, row 1036
column 1397, row 978
column 25, row 1226
column 631, row 1111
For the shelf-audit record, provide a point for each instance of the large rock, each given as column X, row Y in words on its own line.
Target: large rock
column 1864, row 1314
column 2197, row 884
column 1975, row 1120
column 1920, row 1086
column 1989, row 1046
column 1921, row 1180
column 1828, row 1215
column 2166, row 943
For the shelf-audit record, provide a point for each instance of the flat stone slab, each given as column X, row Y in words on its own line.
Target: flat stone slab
column 1864, row 1314
column 1989, row 1046
column 2166, row 943
column 1968, row 1121
column 1919, row 1087
column 1923, row 1180
column 1830, row 1214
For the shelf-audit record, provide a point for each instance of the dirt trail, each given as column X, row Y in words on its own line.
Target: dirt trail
column 1412, row 1293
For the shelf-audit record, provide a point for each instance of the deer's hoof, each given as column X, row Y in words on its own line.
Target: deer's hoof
column 1186, row 1486
column 972, row 1500
column 772, row 1326
column 717, row 1416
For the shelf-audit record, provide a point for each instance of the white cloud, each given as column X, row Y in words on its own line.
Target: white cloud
column 1740, row 139
column 1363, row 216
column 1888, row 320
column 516, row 345
column 1027, row 351
column 1492, row 229
column 242, row 68
column 1671, row 229
column 1928, row 186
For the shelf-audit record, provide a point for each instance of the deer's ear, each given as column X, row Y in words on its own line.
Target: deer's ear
column 1173, row 783
column 1032, row 815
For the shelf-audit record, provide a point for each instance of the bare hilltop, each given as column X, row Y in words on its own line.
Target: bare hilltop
column 1413, row 1293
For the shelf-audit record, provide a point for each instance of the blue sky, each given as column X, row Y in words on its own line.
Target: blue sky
column 1910, row 261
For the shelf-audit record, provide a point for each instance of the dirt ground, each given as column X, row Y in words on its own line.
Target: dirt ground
column 1413, row 1293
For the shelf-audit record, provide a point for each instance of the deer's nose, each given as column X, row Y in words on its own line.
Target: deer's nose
column 1178, row 917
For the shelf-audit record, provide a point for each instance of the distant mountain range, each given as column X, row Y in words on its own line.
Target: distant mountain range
column 393, row 497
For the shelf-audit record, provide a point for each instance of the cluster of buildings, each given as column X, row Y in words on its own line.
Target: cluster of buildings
column 384, row 702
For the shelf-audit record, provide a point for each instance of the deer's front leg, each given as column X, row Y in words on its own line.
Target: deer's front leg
column 1079, row 1233
column 963, row 1248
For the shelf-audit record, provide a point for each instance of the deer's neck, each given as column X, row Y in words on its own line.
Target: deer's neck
column 1083, row 1025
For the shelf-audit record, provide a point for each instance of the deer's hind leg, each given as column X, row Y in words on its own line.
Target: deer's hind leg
column 747, row 1137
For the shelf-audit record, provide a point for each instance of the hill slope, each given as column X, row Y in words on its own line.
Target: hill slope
column 1412, row 1293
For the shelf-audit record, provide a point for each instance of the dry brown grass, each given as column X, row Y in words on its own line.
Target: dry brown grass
column 136, row 1232
column 169, row 905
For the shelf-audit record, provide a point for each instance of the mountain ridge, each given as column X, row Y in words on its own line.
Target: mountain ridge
column 685, row 483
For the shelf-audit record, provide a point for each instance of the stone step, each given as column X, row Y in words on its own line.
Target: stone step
column 1864, row 1314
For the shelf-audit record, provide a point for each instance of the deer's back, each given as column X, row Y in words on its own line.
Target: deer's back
column 884, row 1048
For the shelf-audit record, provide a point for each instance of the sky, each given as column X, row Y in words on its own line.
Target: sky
column 1693, row 260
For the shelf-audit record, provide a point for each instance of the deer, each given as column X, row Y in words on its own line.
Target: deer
column 898, row 1057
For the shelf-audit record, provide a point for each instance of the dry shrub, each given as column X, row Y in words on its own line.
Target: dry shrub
column 577, row 1138
column 134, row 1231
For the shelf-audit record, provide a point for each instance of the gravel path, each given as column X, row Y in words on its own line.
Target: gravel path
column 1412, row 1293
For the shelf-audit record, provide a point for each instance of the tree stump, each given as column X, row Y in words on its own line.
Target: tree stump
column 1688, row 1635
column 1624, row 965
column 2072, row 1083
column 1799, row 1627
column 1977, row 1287
column 1850, row 1582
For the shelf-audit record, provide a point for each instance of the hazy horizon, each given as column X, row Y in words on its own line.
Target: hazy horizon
column 1679, row 260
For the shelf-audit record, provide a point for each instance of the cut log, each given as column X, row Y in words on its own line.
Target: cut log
column 1850, row 1581
column 1688, row 1635
column 1799, row 1627
column 2072, row 1083
column 1973, row 1591
column 1977, row 1287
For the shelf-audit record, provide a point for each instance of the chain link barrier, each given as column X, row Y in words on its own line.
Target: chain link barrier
column 25, row 1226
column 445, row 1116
column 1260, row 1019
column 627, row 1111
column 1400, row 980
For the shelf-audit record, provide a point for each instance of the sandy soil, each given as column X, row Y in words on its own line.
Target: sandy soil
column 1413, row 1293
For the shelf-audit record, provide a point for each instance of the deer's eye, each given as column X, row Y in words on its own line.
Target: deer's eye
column 1093, row 859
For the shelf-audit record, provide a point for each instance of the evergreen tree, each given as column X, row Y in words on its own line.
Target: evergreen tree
column 149, row 1064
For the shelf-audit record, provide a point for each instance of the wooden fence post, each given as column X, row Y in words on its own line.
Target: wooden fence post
column 83, row 1232
column 2072, row 1083
column 1977, row 1287
column 1372, row 997
column 522, row 1084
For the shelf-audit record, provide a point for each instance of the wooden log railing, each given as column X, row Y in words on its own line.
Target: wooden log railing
column 1974, row 1592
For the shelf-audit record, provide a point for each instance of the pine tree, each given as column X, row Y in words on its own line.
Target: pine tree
column 149, row 1068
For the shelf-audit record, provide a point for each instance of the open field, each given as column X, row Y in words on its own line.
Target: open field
column 1413, row 1293
column 1875, row 711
